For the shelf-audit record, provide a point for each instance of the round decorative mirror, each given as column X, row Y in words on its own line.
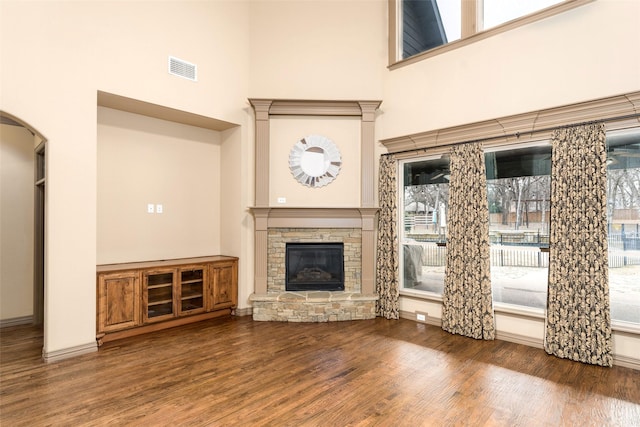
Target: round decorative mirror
column 315, row 161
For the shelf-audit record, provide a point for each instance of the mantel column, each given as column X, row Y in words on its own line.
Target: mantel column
column 367, row 143
column 368, row 250
column 261, row 235
column 368, row 195
column 261, row 108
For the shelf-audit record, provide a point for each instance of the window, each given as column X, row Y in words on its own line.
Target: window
column 423, row 232
column 623, row 217
column 496, row 12
column 429, row 23
column 518, row 193
column 518, row 190
column 423, row 28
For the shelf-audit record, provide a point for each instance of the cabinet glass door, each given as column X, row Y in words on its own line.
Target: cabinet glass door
column 159, row 295
column 192, row 289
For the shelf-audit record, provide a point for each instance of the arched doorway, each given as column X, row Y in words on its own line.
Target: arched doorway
column 22, row 224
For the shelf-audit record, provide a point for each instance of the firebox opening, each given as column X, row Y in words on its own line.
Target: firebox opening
column 314, row 267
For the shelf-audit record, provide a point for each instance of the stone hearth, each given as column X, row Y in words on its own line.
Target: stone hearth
column 313, row 306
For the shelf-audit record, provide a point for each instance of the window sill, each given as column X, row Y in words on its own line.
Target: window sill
column 521, row 311
column 626, row 327
column 424, row 295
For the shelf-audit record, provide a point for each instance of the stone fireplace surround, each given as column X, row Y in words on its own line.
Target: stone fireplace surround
column 286, row 225
column 274, row 226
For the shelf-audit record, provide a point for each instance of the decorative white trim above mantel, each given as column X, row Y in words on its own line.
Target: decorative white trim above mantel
column 281, row 217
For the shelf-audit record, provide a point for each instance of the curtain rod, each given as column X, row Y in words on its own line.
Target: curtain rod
column 517, row 134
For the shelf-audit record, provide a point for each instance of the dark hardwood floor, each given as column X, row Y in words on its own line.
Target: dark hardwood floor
column 236, row 372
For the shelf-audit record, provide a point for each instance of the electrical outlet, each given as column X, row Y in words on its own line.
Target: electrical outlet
column 282, row 200
column 150, row 208
column 159, row 209
column 421, row 317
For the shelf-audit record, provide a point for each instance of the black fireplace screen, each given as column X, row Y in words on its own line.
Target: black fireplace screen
column 314, row 267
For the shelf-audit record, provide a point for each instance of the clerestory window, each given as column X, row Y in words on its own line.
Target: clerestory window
column 423, row 28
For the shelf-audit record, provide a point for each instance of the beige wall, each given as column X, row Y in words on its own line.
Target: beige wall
column 61, row 53
column 55, row 56
column 318, row 49
column 143, row 160
column 587, row 53
column 236, row 222
column 344, row 191
column 584, row 54
column 16, row 222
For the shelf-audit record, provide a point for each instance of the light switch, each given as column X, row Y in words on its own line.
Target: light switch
column 159, row 209
column 150, row 208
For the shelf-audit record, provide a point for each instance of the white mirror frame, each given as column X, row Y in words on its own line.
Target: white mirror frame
column 315, row 161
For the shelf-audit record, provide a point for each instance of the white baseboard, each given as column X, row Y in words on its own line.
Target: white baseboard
column 247, row 311
column 429, row 320
column 65, row 353
column 16, row 321
column 520, row 339
column 626, row 362
column 623, row 361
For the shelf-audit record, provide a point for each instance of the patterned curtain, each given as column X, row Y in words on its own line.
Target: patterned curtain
column 388, row 304
column 578, row 317
column 467, row 301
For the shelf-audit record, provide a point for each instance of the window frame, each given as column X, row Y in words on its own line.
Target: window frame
column 617, row 323
column 471, row 18
column 499, row 306
column 541, row 142
column 428, row 156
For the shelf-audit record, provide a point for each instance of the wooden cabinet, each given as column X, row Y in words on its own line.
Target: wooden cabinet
column 118, row 301
column 141, row 297
column 224, row 278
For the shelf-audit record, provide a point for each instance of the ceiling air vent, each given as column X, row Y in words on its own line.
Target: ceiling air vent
column 181, row 68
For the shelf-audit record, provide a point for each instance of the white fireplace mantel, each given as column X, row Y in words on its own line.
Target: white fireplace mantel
column 288, row 217
column 362, row 217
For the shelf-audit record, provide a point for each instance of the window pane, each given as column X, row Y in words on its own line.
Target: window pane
column 623, row 216
column 429, row 23
column 518, row 190
column 424, row 208
column 498, row 12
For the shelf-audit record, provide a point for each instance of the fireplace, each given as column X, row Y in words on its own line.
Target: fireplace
column 311, row 230
column 314, row 267
column 353, row 225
